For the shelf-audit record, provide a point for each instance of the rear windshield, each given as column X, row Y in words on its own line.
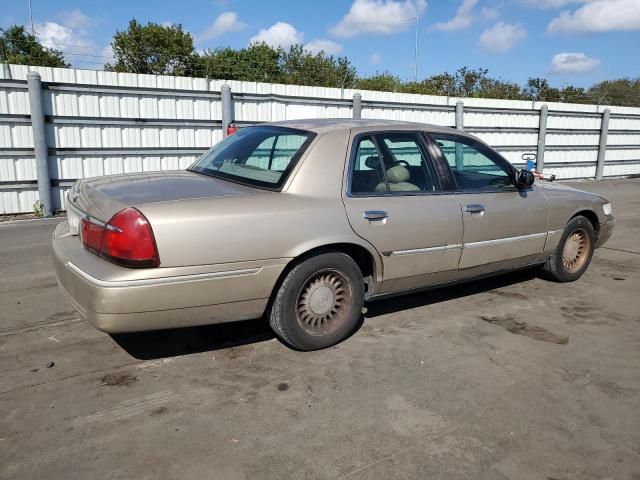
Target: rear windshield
column 262, row 156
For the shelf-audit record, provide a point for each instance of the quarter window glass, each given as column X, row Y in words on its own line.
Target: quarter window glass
column 472, row 168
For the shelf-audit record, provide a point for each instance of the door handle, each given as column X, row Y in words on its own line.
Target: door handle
column 474, row 208
column 375, row 215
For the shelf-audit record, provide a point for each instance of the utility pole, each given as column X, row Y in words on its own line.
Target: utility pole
column 415, row 63
column 33, row 32
column 415, row 59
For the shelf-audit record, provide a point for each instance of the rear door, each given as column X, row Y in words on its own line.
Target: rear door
column 503, row 226
column 394, row 199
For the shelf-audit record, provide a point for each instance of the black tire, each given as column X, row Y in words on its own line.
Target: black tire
column 579, row 236
column 319, row 302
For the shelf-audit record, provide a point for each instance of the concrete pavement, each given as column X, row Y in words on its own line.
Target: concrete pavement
column 475, row 381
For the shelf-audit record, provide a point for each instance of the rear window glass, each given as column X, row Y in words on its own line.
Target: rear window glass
column 260, row 156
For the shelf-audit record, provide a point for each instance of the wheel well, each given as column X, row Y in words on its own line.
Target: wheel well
column 359, row 254
column 592, row 217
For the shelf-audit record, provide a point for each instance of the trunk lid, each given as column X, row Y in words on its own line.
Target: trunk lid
column 103, row 197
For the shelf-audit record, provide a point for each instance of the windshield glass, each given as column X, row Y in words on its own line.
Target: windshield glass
column 260, row 155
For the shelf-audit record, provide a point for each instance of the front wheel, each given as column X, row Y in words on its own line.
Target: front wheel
column 574, row 252
column 319, row 302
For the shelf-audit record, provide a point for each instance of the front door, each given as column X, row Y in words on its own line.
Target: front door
column 504, row 227
column 394, row 201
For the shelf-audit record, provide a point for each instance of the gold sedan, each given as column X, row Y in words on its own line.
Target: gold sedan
column 304, row 221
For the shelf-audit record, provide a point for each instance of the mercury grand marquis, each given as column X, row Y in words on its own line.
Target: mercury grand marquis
column 303, row 221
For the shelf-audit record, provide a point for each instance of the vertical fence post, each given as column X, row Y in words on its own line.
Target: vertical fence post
column 542, row 138
column 227, row 108
column 5, row 71
column 602, row 147
column 39, row 141
column 357, row 106
column 459, row 126
column 460, row 115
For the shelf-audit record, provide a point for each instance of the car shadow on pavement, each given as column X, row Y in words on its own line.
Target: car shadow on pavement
column 185, row 341
column 437, row 295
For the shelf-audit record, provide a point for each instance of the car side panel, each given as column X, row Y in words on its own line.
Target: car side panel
column 513, row 226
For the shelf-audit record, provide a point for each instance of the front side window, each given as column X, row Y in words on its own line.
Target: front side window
column 392, row 163
column 260, row 156
column 473, row 165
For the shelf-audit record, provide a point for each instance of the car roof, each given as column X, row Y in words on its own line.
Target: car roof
column 326, row 125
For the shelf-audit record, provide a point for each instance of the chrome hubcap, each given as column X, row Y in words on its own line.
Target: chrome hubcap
column 323, row 302
column 576, row 251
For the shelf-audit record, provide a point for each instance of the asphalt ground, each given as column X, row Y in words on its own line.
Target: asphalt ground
column 512, row 377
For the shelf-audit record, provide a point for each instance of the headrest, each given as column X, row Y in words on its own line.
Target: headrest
column 372, row 162
column 398, row 174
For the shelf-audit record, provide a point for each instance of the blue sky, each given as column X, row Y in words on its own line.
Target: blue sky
column 567, row 41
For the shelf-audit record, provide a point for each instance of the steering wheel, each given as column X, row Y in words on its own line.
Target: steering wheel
column 404, row 163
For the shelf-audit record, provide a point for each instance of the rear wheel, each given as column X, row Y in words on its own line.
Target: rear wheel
column 319, row 302
column 574, row 252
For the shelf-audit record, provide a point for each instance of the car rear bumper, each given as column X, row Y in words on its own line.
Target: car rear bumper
column 116, row 299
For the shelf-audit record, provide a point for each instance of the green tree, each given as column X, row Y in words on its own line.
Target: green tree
column 21, row 48
column 441, row 84
column 622, row 91
column 256, row 63
column 496, row 88
column 301, row 67
column 262, row 63
column 539, row 90
column 153, row 48
column 468, row 80
column 571, row 94
column 383, row 82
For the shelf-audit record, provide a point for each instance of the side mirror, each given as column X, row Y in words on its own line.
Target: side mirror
column 524, row 179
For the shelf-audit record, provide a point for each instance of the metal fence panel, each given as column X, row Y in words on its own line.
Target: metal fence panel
column 106, row 123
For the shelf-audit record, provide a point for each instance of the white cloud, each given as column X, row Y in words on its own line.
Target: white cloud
column 378, row 17
column 226, row 22
column 502, row 37
column 462, row 20
column 599, row 16
column 573, row 63
column 375, row 58
column 107, row 54
column 70, row 34
column 280, row 34
column 75, row 20
column 78, row 50
column 490, row 13
column 549, row 3
column 327, row 46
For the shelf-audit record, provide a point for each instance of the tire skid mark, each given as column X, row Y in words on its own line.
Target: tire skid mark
column 67, row 377
column 43, row 286
column 30, row 327
column 127, row 409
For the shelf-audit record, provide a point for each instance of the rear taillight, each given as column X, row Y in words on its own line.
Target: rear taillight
column 91, row 235
column 127, row 239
